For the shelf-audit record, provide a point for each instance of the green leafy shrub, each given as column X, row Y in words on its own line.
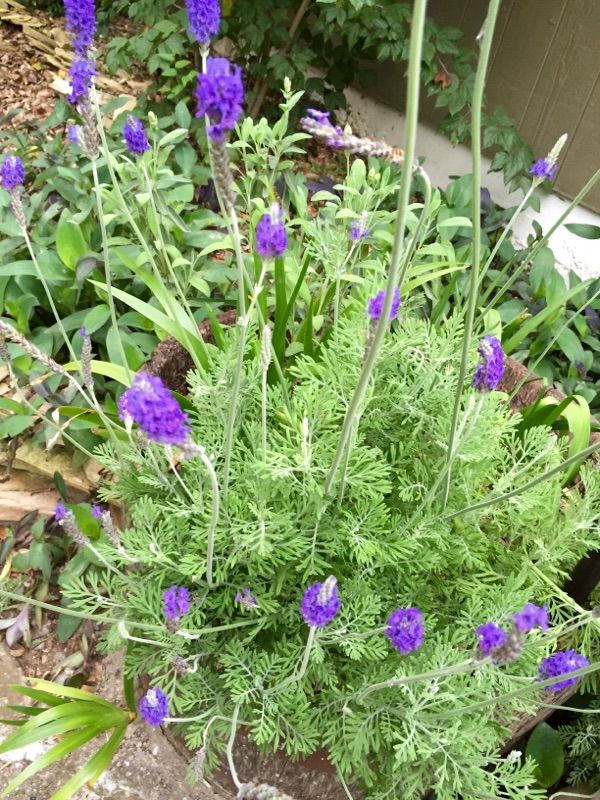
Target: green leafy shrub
column 333, row 439
column 274, row 40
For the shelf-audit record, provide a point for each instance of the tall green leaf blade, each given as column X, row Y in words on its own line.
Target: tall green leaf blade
column 92, row 769
column 36, row 729
column 578, row 417
column 533, row 323
column 68, row 691
column 64, row 748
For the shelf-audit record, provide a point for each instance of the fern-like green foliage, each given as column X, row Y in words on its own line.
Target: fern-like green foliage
column 386, row 539
column 581, row 741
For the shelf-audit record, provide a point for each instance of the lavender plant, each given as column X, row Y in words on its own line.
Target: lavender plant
column 352, row 546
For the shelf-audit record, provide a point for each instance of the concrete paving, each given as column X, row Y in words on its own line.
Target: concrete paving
column 443, row 159
column 146, row 767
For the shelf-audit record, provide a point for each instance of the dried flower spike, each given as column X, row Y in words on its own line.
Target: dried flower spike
column 561, row 663
column 154, row 707
column 135, row 137
column 204, row 17
column 318, row 125
column 149, row 403
column 490, row 370
column 321, row 603
column 271, row 238
column 220, row 96
column 406, row 630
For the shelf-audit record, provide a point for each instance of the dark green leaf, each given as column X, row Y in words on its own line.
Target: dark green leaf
column 545, row 746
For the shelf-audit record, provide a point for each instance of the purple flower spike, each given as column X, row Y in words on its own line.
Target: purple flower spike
column 246, row 598
column 321, row 603
column 376, row 305
column 561, row 663
column 81, row 23
column 149, row 403
column 12, row 173
column 271, row 238
column 96, row 512
column 543, row 170
column 81, row 72
column 490, row 370
column 74, row 134
column 135, row 137
column 359, row 230
column 531, row 617
column 60, row 512
column 490, row 636
column 204, row 17
column 319, row 116
column 220, row 96
column 154, row 707
column 177, row 602
column 405, row 630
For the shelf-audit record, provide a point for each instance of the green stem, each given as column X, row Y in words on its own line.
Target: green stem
column 263, row 408
column 582, row 455
column 482, row 65
column 412, row 109
column 300, row 673
column 543, row 241
column 41, row 277
column 133, row 225
column 505, row 231
column 36, row 412
column 230, row 743
column 457, row 669
column 214, row 519
column 516, row 692
column 107, row 276
column 169, row 264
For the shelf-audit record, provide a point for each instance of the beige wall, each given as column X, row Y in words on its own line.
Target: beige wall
column 545, row 70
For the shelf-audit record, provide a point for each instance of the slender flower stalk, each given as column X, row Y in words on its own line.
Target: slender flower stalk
column 190, row 450
column 25, row 402
column 11, row 333
column 199, row 348
column 220, row 98
column 266, row 354
column 12, row 176
column 457, row 669
column 395, row 279
column 516, row 272
column 489, row 501
column 107, row 272
column 486, row 46
column 173, row 275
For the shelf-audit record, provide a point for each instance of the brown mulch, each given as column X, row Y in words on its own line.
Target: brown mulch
column 25, row 78
column 35, row 54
